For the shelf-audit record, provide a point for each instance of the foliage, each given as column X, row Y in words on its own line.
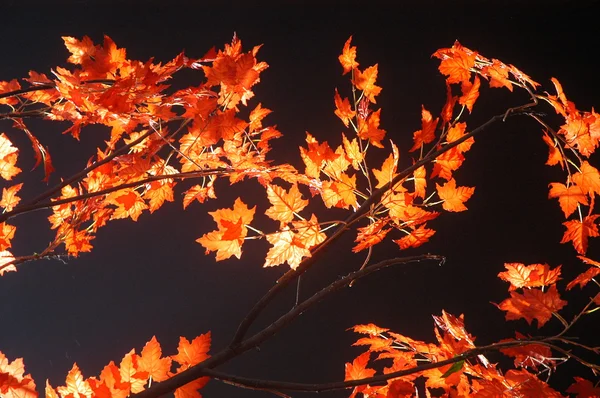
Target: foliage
column 160, row 137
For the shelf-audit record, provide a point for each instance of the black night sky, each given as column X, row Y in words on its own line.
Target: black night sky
column 151, row 278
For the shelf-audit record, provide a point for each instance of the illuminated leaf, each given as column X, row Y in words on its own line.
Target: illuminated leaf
column 427, row 132
column 569, row 198
column 151, row 361
column 5, row 258
column 14, row 383
column 456, row 63
column 8, row 158
column 532, row 304
column 194, row 352
column 343, row 110
column 370, row 130
column 365, row 81
column 284, row 204
column 348, row 56
column 129, row 204
column 588, row 178
column 578, row 232
column 415, row 238
column 75, row 384
column 554, row 155
column 470, row 93
column 9, row 197
column 453, row 196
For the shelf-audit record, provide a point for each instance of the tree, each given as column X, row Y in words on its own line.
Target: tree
column 160, row 137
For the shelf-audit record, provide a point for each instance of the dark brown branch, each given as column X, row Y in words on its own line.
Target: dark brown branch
column 375, row 380
column 41, row 87
column 226, row 354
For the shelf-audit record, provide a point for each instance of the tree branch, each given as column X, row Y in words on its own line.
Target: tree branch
column 228, row 353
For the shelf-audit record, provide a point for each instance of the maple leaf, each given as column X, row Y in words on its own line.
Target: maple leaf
column 584, row 388
column 588, row 178
column 554, row 155
column 470, row 93
column 498, row 74
column 388, row 168
column 316, row 155
column 578, row 232
column 199, row 193
column 447, row 162
column 41, row 152
column 348, row 57
column 529, row 355
column 456, row 62
column 375, row 343
column 111, row 377
column 129, row 204
column 369, row 328
column 7, row 233
column 131, row 373
column 151, row 362
column 584, row 278
column 6, row 87
column 369, row 129
column 14, row 383
column 343, row 110
column 256, row 117
column 453, row 196
column 420, row 180
column 353, row 151
column 427, row 132
column 365, row 81
column 371, row 235
column 5, row 258
column 8, row 158
column 416, row 238
column 284, row 204
column 76, row 385
column 456, row 132
column 190, row 390
column 227, row 240
column 535, row 275
column 569, row 198
column 286, row 248
column 194, row 352
column 532, row 304
column 358, row 370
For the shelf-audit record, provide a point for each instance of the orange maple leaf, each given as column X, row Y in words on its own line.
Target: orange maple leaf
column 129, row 204
column 14, row 383
column 371, row 235
column 370, row 130
column 578, row 232
column 534, row 275
column 7, row 233
column 498, row 74
column 194, row 352
column 348, row 57
column 8, row 158
column 365, row 81
column 427, row 132
column 588, row 178
column 456, row 62
column 416, row 238
column 554, row 155
column 9, row 197
column 151, row 361
column 453, row 196
column 358, row 370
column 284, row 204
column 584, row 388
column 532, row 304
column 353, row 151
column 76, row 385
column 228, row 239
column 569, row 198
column 343, row 110
column 470, row 93
column 583, row 278
column 5, row 258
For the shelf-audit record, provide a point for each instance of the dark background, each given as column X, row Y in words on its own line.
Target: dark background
column 151, row 278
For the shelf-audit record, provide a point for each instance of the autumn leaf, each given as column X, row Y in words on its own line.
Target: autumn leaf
column 369, row 129
column 7, row 233
column 453, row 196
column 14, row 383
column 5, row 258
column 358, row 368
column 348, row 57
column 370, row 235
column 256, row 117
column 151, row 361
column 498, row 74
column 456, row 62
column 343, row 110
column 387, row 172
column 76, row 385
column 365, row 81
column 416, row 237
column 569, row 198
column 584, row 388
column 534, row 275
column 427, row 132
column 228, row 239
column 353, row 151
column 588, row 178
column 286, row 248
column 8, row 158
column 578, row 232
column 370, row 329
column 9, row 197
column 129, row 204
column 470, row 93
column 284, row 204
column 420, row 181
column 532, row 304
column 194, row 352
column 554, row 155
